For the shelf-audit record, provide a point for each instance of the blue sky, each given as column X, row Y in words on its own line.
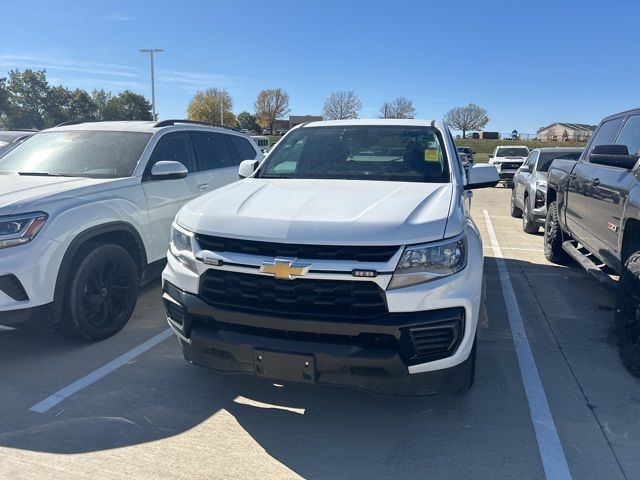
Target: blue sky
column 527, row 63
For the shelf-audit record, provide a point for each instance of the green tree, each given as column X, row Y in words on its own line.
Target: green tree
column 127, row 105
column 205, row 106
column 27, row 97
column 4, row 101
column 248, row 122
column 100, row 99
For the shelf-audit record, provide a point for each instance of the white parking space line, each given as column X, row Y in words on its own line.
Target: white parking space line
column 66, row 392
column 4, row 328
column 553, row 458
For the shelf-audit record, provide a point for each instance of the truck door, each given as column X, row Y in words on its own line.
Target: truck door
column 613, row 188
column 590, row 202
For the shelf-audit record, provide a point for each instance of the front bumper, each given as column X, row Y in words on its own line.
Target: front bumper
column 344, row 350
column 370, row 356
column 29, row 273
column 507, row 174
column 539, row 215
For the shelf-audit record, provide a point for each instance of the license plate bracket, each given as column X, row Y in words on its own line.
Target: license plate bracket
column 291, row 367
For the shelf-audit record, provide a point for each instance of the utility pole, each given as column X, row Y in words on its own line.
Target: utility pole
column 221, row 111
column 151, row 51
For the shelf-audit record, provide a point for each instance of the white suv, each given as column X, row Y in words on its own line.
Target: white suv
column 85, row 214
column 347, row 257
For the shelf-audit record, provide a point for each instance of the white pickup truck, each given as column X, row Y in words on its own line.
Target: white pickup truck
column 508, row 159
column 347, row 257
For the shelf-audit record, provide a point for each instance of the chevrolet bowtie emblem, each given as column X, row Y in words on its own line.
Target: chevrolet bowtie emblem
column 284, row 269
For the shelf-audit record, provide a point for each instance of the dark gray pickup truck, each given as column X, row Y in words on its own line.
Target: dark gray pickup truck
column 593, row 216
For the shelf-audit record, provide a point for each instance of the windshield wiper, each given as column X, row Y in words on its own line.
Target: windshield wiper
column 42, row 174
column 273, row 176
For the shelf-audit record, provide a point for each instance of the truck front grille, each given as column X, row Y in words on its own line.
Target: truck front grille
column 286, row 250
column 511, row 165
column 306, row 297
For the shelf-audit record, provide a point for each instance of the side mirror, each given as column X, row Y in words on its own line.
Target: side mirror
column 613, row 156
column 491, row 155
column 481, row 176
column 168, row 170
column 247, row 168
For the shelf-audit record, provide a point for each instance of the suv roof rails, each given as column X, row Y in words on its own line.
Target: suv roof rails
column 168, row 123
column 70, row 122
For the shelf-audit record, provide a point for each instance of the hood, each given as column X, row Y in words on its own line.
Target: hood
column 330, row 212
column 541, row 178
column 18, row 191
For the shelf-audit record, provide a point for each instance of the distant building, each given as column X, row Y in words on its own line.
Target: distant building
column 298, row 119
column 559, row 132
column 283, row 126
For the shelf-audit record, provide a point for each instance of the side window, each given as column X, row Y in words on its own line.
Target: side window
column 176, row 147
column 243, row 147
column 212, row 150
column 606, row 134
column 630, row 135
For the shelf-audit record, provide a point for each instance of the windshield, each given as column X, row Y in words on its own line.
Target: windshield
column 81, row 153
column 368, row 152
column 512, row 152
column 546, row 158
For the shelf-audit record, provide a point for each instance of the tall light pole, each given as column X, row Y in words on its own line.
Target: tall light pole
column 151, row 51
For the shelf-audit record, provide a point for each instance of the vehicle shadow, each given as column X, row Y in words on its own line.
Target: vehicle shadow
column 318, row 432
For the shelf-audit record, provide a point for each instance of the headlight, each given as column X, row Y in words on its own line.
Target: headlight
column 422, row 263
column 181, row 246
column 20, row 229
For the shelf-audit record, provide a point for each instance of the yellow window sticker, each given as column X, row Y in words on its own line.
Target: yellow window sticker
column 431, row 155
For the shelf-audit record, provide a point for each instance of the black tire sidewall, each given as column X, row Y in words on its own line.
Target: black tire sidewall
column 629, row 278
column 527, row 224
column 515, row 211
column 553, row 236
column 77, row 319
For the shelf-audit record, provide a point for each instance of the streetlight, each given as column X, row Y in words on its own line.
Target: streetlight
column 151, row 51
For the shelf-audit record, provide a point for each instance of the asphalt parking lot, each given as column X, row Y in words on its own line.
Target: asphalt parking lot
column 126, row 408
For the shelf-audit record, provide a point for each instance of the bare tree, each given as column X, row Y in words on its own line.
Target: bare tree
column 271, row 105
column 471, row 117
column 401, row 107
column 341, row 106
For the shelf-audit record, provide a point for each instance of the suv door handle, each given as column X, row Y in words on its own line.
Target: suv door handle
column 595, row 182
column 203, row 186
column 573, row 176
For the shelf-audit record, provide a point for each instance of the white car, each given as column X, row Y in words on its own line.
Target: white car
column 508, row 159
column 348, row 257
column 85, row 214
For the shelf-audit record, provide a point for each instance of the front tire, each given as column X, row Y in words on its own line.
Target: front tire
column 528, row 226
column 102, row 293
column 515, row 211
column 553, row 237
column 627, row 315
